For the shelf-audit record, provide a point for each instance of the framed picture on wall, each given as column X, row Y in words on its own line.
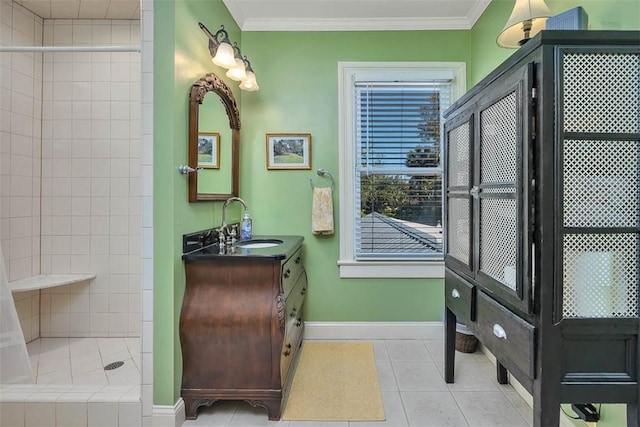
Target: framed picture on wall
column 209, row 150
column 288, row 150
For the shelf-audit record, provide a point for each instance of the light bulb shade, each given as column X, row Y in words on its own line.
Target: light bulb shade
column 237, row 72
column 525, row 12
column 225, row 56
column 250, row 84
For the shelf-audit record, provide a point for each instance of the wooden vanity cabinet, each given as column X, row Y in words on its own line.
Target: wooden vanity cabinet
column 542, row 212
column 241, row 327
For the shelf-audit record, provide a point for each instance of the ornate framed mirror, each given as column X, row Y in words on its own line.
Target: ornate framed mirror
column 214, row 140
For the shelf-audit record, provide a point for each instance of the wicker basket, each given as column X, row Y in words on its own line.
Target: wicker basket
column 466, row 343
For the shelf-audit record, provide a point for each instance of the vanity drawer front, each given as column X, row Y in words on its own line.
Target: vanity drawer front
column 291, row 346
column 294, row 325
column 293, row 306
column 459, row 296
column 291, row 271
column 507, row 336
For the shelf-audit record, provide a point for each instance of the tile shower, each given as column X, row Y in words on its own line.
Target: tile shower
column 71, row 198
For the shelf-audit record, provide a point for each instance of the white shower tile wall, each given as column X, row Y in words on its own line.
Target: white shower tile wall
column 91, row 179
column 20, row 148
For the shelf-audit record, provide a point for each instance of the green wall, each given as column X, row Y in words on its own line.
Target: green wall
column 297, row 73
column 181, row 56
column 298, row 79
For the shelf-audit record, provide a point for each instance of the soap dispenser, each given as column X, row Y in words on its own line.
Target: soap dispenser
column 245, row 227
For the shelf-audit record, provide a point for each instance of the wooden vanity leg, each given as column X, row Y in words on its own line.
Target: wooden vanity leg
column 501, row 373
column 449, row 345
column 273, row 407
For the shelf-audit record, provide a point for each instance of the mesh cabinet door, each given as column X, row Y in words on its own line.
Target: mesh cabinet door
column 599, row 117
column 502, row 191
column 458, row 179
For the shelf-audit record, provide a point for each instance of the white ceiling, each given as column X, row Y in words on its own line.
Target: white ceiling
column 295, row 15
column 83, row 9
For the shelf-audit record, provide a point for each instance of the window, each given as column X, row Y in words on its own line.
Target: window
column 391, row 166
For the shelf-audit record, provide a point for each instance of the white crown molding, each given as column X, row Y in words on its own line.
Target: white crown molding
column 476, row 12
column 247, row 23
column 341, row 24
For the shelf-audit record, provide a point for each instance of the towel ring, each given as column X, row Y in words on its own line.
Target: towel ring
column 322, row 172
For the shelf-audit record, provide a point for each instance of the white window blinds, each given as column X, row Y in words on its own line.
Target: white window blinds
column 398, row 171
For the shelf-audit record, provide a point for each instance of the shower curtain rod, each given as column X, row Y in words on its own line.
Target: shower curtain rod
column 133, row 48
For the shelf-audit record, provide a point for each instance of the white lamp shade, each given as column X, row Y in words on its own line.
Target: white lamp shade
column 225, row 56
column 524, row 10
column 249, row 84
column 237, row 72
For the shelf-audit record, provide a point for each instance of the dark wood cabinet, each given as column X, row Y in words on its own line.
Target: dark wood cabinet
column 542, row 216
column 241, row 325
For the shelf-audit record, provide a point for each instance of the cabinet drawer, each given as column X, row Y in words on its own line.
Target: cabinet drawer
column 291, row 271
column 292, row 343
column 293, row 327
column 293, row 306
column 459, row 296
column 506, row 335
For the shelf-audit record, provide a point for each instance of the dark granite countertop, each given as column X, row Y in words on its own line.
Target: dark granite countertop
column 282, row 251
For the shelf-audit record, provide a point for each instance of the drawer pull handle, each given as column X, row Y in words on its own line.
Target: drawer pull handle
column 455, row 293
column 303, row 291
column 298, row 323
column 287, row 353
column 499, row 331
column 287, row 274
column 298, row 260
column 293, row 311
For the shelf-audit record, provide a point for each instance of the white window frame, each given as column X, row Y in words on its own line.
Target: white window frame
column 347, row 73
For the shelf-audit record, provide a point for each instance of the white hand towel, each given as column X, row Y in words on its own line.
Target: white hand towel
column 322, row 211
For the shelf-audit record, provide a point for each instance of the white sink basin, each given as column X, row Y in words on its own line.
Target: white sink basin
column 259, row 243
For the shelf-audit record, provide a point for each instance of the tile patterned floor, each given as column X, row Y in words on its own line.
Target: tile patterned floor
column 414, row 394
column 82, row 360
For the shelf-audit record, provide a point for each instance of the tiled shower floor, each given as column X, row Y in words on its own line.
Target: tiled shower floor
column 82, row 360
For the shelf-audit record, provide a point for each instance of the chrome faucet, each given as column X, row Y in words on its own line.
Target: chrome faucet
column 223, row 227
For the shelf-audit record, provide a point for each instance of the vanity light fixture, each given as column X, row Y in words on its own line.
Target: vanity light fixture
column 249, row 84
column 527, row 19
column 222, row 53
column 227, row 56
column 238, row 71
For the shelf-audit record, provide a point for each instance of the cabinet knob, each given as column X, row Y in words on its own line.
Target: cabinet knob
column 303, row 291
column 287, row 353
column 298, row 260
column 499, row 331
column 293, row 312
column 298, row 323
column 455, row 293
column 288, row 345
column 287, row 274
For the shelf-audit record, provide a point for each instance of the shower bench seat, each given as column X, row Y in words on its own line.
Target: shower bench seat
column 44, row 281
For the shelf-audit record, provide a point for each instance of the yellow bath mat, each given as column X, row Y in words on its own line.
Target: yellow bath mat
column 335, row 381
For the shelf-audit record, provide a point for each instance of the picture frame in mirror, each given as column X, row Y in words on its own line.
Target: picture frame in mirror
column 209, row 150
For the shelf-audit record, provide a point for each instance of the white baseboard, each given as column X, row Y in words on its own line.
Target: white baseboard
column 565, row 421
column 373, row 330
column 168, row 415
